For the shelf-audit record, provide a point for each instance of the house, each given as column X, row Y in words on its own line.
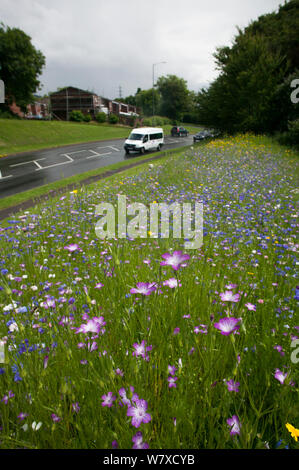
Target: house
column 39, row 109
column 68, row 99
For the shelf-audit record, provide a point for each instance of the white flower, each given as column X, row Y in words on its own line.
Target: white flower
column 13, row 327
column 35, row 426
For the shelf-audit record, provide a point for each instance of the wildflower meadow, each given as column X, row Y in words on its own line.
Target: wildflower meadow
column 138, row 343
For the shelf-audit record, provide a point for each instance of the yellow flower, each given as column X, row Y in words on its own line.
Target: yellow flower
column 294, row 432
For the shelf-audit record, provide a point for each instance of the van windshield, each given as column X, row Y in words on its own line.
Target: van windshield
column 135, row 136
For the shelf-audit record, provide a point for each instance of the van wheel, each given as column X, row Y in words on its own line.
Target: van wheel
column 127, row 152
column 142, row 150
column 159, row 148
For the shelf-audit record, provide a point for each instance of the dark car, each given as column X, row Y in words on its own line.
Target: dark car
column 179, row 131
column 201, row 136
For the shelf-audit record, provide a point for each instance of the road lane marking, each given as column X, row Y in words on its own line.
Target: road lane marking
column 31, row 161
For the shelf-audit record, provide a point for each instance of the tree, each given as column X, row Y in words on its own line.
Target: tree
column 252, row 91
column 174, row 96
column 144, row 100
column 20, row 65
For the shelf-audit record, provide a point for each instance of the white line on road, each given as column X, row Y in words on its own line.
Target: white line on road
column 99, row 155
column 31, row 161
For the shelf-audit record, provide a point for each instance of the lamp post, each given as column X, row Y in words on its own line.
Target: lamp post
column 154, row 87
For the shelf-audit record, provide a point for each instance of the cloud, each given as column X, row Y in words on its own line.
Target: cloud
column 102, row 45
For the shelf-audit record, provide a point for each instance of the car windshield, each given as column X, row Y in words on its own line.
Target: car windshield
column 135, row 136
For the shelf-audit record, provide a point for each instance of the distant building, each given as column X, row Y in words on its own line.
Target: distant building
column 39, row 109
column 69, row 99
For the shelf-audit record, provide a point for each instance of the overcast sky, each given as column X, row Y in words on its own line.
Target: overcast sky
column 102, row 45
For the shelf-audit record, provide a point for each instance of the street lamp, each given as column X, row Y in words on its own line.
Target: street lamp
column 154, row 86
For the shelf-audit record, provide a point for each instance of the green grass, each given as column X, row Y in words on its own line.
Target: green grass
column 58, row 376
column 25, row 135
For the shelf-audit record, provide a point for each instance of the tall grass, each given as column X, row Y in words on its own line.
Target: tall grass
column 61, row 377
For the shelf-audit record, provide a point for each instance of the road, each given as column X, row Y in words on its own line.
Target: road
column 26, row 171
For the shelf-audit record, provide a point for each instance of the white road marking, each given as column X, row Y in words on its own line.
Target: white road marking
column 99, row 155
column 31, row 161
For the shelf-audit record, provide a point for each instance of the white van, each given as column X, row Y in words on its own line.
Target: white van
column 144, row 138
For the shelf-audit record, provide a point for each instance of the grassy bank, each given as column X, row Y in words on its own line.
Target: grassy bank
column 197, row 356
column 25, row 135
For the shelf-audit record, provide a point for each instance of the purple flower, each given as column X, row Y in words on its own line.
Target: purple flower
column 250, row 306
column 108, row 399
column 279, row 349
column 6, row 397
column 114, row 444
column 141, row 350
column 280, row 376
column 72, row 247
column 99, row 285
column 138, row 413
column 172, row 283
column 176, row 331
column 75, row 407
column 228, row 296
column 119, row 372
column 172, row 370
column 144, row 288
column 55, row 418
column 234, row 424
column 175, row 260
column 172, row 381
column 227, row 325
column 22, row 416
column 232, row 386
column 138, row 441
column 93, row 325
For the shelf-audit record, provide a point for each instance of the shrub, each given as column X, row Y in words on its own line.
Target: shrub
column 291, row 136
column 101, row 117
column 113, row 119
column 87, row 118
column 76, row 116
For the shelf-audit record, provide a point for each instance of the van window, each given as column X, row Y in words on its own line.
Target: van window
column 133, row 136
column 156, row 136
column 145, row 138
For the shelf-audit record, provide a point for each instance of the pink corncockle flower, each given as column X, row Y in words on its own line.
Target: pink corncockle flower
column 187, row 316
column 46, row 360
column 176, row 331
column 201, row 329
column 114, row 444
column 232, row 386
column 260, row 301
column 228, row 296
column 99, row 285
column 227, row 325
column 250, row 306
column 280, row 376
column 55, row 418
column 172, row 381
column 138, row 412
column 141, row 350
column 108, row 399
column 172, row 283
column 92, row 346
column 123, row 395
column 234, row 424
column 138, row 441
column 94, row 325
column 191, row 351
column 144, row 288
column 72, row 247
column 175, row 260
column 22, row 416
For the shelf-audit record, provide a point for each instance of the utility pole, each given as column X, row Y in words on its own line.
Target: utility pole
column 120, row 92
column 67, row 104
